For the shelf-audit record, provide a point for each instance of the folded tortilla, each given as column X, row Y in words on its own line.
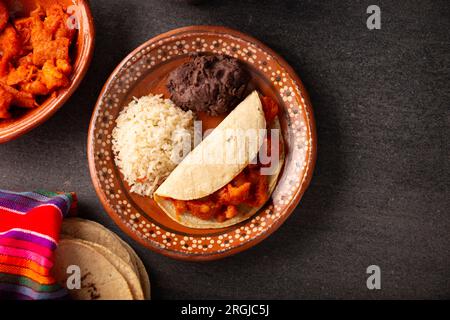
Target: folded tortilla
column 217, row 160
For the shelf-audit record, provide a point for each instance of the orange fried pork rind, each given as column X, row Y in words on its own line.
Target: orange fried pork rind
column 35, row 58
column 4, row 16
column 10, row 47
column 44, row 51
column 50, row 37
column 56, row 21
column 249, row 187
column 6, row 99
column 53, row 77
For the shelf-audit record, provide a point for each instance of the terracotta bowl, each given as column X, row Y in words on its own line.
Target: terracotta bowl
column 81, row 58
column 145, row 71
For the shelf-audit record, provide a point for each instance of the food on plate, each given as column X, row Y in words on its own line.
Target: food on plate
column 100, row 279
column 220, row 183
column 35, row 60
column 4, row 16
column 214, row 84
column 115, row 250
column 223, row 180
column 149, row 137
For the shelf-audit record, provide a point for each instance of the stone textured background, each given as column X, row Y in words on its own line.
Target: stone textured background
column 380, row 194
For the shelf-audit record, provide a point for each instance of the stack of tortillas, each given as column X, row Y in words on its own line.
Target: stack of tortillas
column 109, row 267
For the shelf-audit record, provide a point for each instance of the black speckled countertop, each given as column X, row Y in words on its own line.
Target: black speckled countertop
column 380, row 193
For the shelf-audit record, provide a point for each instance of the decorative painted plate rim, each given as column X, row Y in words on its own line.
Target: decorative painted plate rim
column 195, row 247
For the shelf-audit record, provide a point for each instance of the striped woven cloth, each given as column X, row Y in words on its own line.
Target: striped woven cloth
column 29, row 232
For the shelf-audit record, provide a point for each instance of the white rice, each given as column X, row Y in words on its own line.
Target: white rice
column 147, row 134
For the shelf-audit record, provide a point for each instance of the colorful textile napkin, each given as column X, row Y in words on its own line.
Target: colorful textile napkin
column 29, row 232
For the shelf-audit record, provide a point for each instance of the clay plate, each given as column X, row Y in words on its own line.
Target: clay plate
column 145, row 71
column 81, row 54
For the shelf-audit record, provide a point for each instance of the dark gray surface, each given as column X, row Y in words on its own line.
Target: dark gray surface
column 380, row 194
